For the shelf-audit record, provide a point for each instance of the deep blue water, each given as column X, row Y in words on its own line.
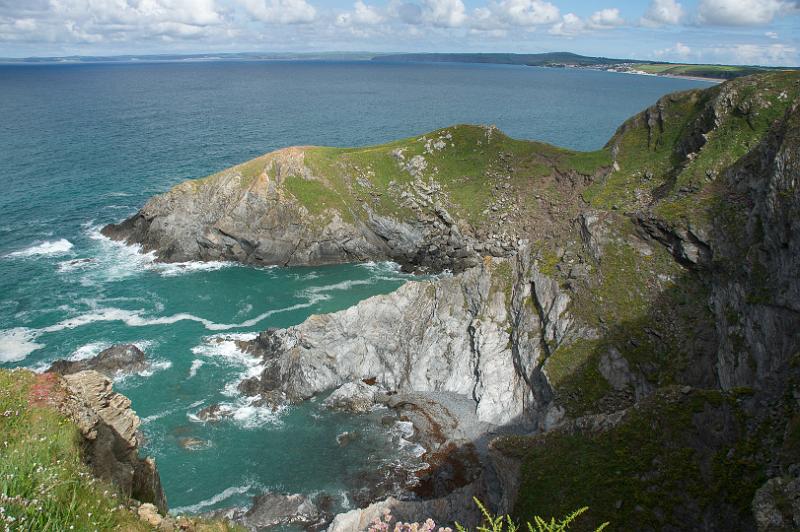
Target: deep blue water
column 84, row 145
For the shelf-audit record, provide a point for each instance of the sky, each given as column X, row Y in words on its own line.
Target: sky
column 765, row 32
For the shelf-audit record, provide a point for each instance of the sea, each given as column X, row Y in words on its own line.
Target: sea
column 83, row 145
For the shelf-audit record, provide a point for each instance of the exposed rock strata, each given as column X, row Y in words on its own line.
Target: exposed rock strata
column 449, row 335
column 109, row 428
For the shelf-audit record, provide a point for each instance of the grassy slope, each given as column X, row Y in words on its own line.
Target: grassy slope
column 704, row 71
column 649, row 162
column 466, row 167
column 664, row 456
column 44, row 484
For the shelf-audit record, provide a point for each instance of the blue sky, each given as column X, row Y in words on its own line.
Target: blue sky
column 720, row 31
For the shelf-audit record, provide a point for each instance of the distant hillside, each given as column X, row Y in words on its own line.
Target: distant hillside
column 567, row 59
column 546, row 59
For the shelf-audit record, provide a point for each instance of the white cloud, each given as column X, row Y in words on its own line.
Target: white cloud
column 606, row 18
column 280, row 11
column 742, row 12
column 97, row 21
column 571, row 24
column 525, row 12
column 771, row 35
column 362, row 15
column 678, row 52
column 444, row 13
column 755, row 54
column 662, row 12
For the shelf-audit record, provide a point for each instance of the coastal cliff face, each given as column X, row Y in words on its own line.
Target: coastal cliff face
column 632, row 315
column 110, row 431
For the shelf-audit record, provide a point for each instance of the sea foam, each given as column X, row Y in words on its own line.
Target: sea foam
column 53, row 247
column 17, row 343
column 219, row 497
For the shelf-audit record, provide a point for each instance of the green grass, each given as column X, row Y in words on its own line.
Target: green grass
column 44, row 484
column 465, row 162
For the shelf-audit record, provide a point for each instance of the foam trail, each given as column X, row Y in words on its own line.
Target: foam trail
column 54, row 247
column 88, row 351
column 196, row 364
column 127, row 259
column 17, row 343
column 219, row 497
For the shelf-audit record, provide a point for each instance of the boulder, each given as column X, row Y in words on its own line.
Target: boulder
column 352, row 397
column 274, row 509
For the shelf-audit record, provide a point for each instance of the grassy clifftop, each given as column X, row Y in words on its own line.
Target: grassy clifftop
column 463, row 163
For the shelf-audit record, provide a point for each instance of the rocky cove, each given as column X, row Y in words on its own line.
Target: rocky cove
column 620, row 329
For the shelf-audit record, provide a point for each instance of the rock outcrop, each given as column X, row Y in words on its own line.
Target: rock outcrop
column 448, row 335
column 109, row 428
column 354, row 397
column 122, row 358
column 271, row 509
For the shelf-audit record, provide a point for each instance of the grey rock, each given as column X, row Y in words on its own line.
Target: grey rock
column 273, row 509
column 776, row 505
column 352, row 397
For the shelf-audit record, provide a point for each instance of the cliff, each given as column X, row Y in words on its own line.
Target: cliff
column 624, row 323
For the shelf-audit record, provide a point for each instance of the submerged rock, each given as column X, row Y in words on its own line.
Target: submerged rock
column 214, row 413
column 193, row 444
column 121, row 358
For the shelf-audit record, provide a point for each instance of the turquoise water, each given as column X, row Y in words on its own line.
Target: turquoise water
column 84, row 145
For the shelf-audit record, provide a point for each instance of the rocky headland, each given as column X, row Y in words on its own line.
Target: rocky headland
column 622, row 329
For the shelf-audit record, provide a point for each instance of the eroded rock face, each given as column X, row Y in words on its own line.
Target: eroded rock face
column 450, row 335
column 123, row 358
column 109, row 428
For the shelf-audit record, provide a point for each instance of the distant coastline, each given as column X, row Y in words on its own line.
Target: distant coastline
column 697, row 72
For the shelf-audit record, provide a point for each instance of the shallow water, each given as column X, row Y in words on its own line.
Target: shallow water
column 84, row 145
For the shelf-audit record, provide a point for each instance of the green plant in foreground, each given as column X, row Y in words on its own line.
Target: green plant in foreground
column 500, row 523
column 504, row 523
